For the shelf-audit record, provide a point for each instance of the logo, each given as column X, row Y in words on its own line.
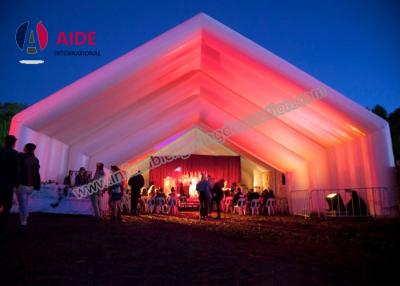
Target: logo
column 31, row 41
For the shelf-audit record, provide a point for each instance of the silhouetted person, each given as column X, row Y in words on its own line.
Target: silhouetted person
column 217, row 196
column 181, row 190
column 9, row 178
column 136, row 182
column 143, row 192
column 237, row 196
column 356, row 206
column 30, row 180
column 233, row 188
column 67, row 184
column 64, row 193
column 160, row 193
column 398, row 172
column 204, row 190
column 252, row 195
column 96, row 196
column 116, row 194
column 267, row 195
column 81, row 179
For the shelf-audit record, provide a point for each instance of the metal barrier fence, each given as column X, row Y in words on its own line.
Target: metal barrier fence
column 300, row 203
column 348, row 202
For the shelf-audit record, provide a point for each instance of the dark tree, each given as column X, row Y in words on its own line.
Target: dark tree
column 7, row 111
column 394, row 122
column 380, row 111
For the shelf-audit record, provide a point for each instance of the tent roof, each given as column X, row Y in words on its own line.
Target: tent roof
column 199, row 74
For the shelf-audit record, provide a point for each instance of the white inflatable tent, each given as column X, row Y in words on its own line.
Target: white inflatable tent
column 201, row 74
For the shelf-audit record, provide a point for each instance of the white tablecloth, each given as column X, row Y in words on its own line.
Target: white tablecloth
column 40, row 201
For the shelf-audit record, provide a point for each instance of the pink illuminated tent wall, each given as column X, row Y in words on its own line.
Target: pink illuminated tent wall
column 201, row 74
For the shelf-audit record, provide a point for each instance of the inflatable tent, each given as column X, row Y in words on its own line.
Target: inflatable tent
column 201, row 75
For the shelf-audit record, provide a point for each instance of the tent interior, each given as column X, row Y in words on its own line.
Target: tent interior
column 254, row 173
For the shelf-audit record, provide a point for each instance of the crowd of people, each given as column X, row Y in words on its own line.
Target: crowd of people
column 19, row 172
column 153, row 198
column 117, row 191
column 210, row 197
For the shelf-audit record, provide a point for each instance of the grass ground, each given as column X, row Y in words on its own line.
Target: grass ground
column 180, row 250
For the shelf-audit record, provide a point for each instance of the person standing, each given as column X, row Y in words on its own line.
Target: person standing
column 233, row 188
column 204, row 190
column 9, row 178
column 82, row 178
column 218, row 195
column 398, row 173
column 96, row 196
column 30, row 179
column 116, row 194
column 136, row 182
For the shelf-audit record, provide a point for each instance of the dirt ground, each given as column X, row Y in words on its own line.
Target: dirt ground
column 180, row 250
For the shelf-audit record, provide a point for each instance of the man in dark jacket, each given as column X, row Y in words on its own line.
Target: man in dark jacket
column 204, row 190
column 30, row 179
column 82, row 178
column 136, row 182
column 9, row 178
column 218, row 195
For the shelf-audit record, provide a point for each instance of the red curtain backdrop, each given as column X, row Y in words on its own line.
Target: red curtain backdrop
column 218, row 167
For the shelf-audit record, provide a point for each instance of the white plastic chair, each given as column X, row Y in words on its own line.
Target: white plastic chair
column 172, row 208
column 240, row 208
column 271, row 206
column 222, row 204
column 227, row 204
column 126, row 202
column 149, row 207
column 161, row 206
column 255, row 207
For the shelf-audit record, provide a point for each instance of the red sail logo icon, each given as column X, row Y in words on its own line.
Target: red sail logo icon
column 42, row 35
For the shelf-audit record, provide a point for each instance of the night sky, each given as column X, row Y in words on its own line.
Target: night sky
column 352, row 46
